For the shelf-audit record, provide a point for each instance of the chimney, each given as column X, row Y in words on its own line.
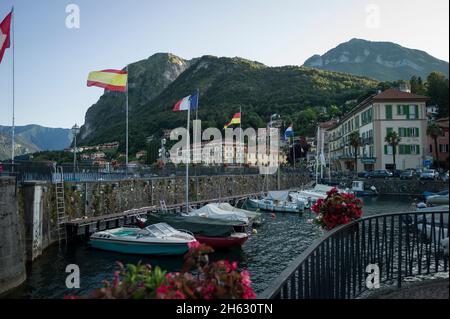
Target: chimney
column 405, row 87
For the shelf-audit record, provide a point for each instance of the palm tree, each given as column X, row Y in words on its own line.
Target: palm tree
column 434, row 131
column 393, row 140
column 356, row 143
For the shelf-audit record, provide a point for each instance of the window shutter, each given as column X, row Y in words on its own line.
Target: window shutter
column 417, row 111
column 389, row 112
column 417, row 132
column 385, row 150
column 399, row 109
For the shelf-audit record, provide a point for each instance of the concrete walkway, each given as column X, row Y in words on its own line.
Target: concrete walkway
column 430, row 289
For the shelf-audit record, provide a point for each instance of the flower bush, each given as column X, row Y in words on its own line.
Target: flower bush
column 198, row 279
column 337, row 209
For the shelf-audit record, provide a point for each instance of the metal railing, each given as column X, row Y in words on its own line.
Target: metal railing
column 38, row 171
column 334, row 267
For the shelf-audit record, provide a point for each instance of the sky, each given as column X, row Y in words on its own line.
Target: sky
column 52, row 61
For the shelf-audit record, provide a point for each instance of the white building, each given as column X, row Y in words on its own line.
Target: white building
column 374, row 118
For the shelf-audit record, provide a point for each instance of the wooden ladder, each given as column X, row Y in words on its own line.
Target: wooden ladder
column 60, row 205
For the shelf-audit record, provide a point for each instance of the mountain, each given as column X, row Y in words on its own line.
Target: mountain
column 33, row 138
column 384, row 61
column 147, row 79
column 225, row 84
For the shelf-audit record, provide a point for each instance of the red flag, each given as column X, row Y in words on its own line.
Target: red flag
column 5, row 34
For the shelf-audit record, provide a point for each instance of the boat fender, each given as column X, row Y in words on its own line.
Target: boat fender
column 273, row 216
column 254, row 231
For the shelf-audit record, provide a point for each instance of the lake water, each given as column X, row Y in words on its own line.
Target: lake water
column 266, row 254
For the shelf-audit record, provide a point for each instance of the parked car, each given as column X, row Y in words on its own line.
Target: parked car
column 408, row 174
column 396, row 173
column 380, row 173
column 444, row 177
column 429, row 174
column 363, row 174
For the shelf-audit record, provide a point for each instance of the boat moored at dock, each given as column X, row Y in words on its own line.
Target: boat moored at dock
column 156, row 239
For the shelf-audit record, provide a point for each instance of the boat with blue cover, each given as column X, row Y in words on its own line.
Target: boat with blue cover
column 156, row 239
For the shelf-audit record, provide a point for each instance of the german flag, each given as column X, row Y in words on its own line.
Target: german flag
column 112, row 80
column 235, row 120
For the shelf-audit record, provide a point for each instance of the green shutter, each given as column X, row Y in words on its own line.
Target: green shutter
column 389, row 130
column 417, row 132
column 401, row 132
column 406, row 111
column 385, row 150
column 399, row 109
column 417, row 111
column 389, row 112
column 409, row 132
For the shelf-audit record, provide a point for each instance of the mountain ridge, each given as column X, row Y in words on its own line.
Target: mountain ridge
column 381, row 60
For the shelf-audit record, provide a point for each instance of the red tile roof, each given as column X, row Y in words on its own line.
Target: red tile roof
column 395, row 94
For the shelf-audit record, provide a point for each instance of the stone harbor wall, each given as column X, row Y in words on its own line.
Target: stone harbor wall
column 12, row 259
column 38, row 199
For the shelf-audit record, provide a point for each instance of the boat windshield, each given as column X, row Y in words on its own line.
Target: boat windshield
column 160, row 230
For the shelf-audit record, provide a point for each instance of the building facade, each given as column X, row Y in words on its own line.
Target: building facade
column 442, row 144
column 391, row 110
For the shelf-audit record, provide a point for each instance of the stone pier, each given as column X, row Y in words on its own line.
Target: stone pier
column 12, row 259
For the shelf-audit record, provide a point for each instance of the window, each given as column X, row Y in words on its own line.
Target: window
column 431, row 148
column 443, row 148
column 414, row 132
column 413, row 112
column 357, row 121
column 389, row 130
column 404, row 149
column 399, row 109
column 389, row 112
column 415, row 149
column 388, row 150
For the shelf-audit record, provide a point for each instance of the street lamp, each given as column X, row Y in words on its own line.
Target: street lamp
column 75, row 131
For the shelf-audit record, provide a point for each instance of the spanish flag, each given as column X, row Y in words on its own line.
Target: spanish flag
column 235, row 120
column 112, row 80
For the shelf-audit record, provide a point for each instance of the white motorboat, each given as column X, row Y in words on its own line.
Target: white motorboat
column 156, row 239
column 277, row 201
column 253, row 217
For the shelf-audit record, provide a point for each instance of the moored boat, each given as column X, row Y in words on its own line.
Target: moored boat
column 279, row 202
column 359, row 190
column 156, row 239
column 217, row 233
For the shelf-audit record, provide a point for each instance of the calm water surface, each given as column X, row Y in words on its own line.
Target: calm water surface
column 266, row 254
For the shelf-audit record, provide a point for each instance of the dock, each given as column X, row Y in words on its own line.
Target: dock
column 83, row 228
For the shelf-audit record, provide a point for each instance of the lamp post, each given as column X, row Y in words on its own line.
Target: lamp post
column 75, row 131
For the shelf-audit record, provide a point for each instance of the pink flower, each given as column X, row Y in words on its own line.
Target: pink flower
column 116, row 280
column 162, row 291
column 194, row 245
column 245, row 278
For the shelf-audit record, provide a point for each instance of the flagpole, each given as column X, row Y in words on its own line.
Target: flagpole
column 188, row 157
column 13, row 146
column 293, row 144
column 126, row 133
column 241, row 147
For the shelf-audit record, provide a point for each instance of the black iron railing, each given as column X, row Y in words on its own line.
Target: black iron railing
column 334, row 267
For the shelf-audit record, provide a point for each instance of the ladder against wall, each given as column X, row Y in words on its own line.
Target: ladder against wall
column 62, row 218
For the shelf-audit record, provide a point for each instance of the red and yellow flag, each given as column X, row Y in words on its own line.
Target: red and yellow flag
column 235, row 120
column 112, row 80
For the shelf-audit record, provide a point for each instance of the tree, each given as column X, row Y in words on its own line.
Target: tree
column 417, row 85
column 437, row 90
column 356, row 143
column 434, row 131
column 393, row 140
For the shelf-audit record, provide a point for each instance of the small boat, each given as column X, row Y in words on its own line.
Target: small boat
column 156, row 239
column 217, row 233
column 318, row 192
column 216, row 211
column 359, row 190
column 428, row 194
column 234, row 240
column 254, row 217
column 434, row 200
column 277, row 202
